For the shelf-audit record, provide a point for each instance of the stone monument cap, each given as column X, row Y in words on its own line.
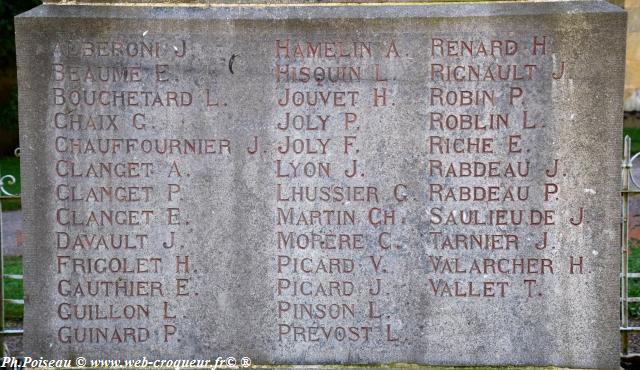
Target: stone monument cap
column 201, row 3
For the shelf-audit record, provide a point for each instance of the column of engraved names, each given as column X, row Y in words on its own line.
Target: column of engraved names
column 115, row 185
column 324, row 200
column 492, row 215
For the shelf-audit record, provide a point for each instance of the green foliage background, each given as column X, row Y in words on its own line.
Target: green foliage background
column 9, row 9
column 8, row 84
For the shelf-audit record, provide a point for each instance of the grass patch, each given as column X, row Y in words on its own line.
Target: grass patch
column 634, row 284
column 11, row 204
column 12, row 265
column 634, row 134
column 13, row 288
column 11, row 166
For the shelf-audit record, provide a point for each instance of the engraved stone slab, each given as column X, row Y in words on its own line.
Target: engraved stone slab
column 433, row 184
column 208, row 3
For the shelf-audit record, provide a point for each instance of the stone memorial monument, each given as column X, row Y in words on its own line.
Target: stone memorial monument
column 322, row 183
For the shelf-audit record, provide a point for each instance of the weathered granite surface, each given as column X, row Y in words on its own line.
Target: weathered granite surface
column 433, row 184
column 265, row 2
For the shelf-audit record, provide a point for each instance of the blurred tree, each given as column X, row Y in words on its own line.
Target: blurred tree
column 8, row 83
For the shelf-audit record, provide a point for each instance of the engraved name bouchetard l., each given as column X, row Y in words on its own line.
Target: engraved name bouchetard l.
column 107, row 178
column 337, row 230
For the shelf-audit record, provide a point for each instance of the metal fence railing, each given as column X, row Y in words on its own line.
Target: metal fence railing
column 5, row 195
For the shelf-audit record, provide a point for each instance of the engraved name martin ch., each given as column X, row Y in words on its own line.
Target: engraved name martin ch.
column 323, row 183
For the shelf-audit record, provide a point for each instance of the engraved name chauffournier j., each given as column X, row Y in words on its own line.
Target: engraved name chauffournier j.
column 323, row 183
